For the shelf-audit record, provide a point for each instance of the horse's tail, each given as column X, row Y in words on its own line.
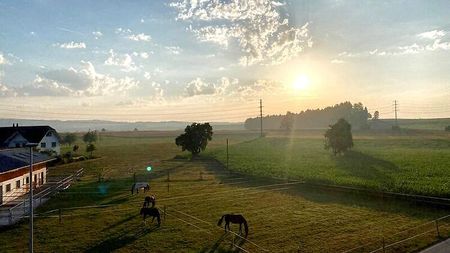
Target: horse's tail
column 245, row 226
column 158, row 217
column 142, row 211
column 220, row 221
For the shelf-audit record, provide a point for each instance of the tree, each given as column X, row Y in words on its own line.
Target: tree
column 90, row 137
column 339, row 137
column 376, row 115
column 447, row 128
column 75, row 148
column 287, row 122
column 90, row 148
column 69, row 138
column 195, row 138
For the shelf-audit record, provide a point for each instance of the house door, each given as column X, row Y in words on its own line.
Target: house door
column 1, row 194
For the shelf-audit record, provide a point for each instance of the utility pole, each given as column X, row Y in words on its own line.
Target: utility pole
column 395, row 109
column 227, row 156
column 260, row 115
column 31, row 146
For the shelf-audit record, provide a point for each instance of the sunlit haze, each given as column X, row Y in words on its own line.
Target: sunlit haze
column 213, row 61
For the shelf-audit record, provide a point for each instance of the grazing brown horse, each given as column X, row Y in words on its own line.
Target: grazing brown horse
column 234, row 218
column 151, row 212
column 148, row 200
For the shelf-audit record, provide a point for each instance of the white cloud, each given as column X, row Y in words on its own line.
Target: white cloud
column 142, row 20
column 147, row 75
column 124, row 61
column 260, row 28
column 97, row 34
column 121, row 30
column 3, row 59
column 70, row 45
column 174, row 49
column 84, row 81
column 432, row 35
column 139, row 37
column 6, row 91
column 337, row 61
column 143, row 55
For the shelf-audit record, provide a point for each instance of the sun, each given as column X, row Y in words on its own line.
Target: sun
column 301, row 82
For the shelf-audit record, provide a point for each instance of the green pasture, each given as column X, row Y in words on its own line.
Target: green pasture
column 282, row 216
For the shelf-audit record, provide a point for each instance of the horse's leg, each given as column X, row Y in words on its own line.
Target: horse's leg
column 240, row 228
column 153, row 219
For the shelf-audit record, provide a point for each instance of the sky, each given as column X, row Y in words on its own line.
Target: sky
column 214, row 60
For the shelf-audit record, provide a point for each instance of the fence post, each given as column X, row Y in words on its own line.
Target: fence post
column 164, row 212
column 437, row 228
column 384, row 246
column 201, row 175
column 60, row 215
column 168, row 176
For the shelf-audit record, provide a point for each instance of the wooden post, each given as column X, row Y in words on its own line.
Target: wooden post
column 201, row 176
column 437, row 228
column 168, row 176
column 168, row 186
column 60, row 215
column 164, row 213
column 228, row 168
column 134, row 177
column 384, row 245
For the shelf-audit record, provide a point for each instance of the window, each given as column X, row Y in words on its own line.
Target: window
column 54, row 144
column 18, row 184
column 43, row 144
column 8, row 188
column 49, row 134
column 17, row 145
column 42, row 178
column 28, row 180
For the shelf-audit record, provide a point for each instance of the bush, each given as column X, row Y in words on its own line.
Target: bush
column 447, row 128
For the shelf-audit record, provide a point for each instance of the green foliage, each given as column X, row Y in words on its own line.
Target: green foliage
column 90, row 137
column 376, row 115
column 75, row 148
column 447, row 128
column 69, row 138
column 90, row 148
column 339, row 137
column 406, row 164
column 287, row 122
column 356, row 114
column 195, row 138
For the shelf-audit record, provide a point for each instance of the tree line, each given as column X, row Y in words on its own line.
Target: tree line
column 356, row 114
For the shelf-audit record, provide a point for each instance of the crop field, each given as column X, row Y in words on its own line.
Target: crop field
column 283, row 215
column 415, row 163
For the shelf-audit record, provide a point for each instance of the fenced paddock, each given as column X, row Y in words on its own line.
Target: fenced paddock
column 283, row 216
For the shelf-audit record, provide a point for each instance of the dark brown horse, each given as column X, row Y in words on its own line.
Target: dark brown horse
column 151, row 212
column 236, row 219
column 148, row 200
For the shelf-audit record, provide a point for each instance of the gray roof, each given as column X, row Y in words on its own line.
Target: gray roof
column 11, row 159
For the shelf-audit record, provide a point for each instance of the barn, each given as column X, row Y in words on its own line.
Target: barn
column 14, row 172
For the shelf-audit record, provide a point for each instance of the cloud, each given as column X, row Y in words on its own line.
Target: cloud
column 435, row 41
column 174, row 50
column 6, row 91
column 259, row 27
column 337, row 61
column 124, row 61
column 84, row 81
column 139, row 37
column 3, row 59
column 432, row 35
column 228, row 87
column 121, row 30
column 143, row 55
column 97, row 34
column 70, row 45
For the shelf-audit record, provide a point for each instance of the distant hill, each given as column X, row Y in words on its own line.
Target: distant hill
column 85, row 125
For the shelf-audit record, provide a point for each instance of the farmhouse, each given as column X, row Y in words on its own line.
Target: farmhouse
column 17, row 136
column 14, row 172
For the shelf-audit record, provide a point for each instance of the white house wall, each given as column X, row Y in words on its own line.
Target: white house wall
column 15, row 193
column 48, row 140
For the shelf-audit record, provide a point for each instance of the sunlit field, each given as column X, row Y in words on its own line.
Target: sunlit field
column 282, row 216
column 416, row 163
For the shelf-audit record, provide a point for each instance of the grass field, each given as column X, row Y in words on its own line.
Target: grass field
column 283, row 216
column 417, row 164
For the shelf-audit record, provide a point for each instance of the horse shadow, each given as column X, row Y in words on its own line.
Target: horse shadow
column 121, row 240
column 232, row 248
column 123, row 221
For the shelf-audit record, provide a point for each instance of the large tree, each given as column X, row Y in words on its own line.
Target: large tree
column 339, row 137
column 70, row 138
column 195, row 137
column 287, row 123
column 90, row 137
